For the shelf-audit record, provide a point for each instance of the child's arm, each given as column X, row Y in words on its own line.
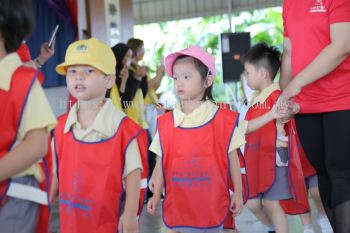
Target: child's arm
column 282, row 113
column 159, row 181
column 128, row 221
column 259, row 122
column 151, row 183
column 54, row 185
column 158, row 188
column 235, row 171
column 29, row 151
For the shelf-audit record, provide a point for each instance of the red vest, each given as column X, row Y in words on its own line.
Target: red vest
column 299, row 204
column 13, row 102
column 90, row 177
column 260, row 157
column 295, row 144
column 230, row 221
column 24, row 54
column 196, row 170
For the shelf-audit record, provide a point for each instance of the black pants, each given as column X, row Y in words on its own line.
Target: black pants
column 326, row 141
column 152, row 159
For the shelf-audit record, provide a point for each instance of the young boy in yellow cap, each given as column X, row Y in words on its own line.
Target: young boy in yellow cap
column 98, row 148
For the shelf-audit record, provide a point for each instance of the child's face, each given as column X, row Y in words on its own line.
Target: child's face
column 188, row 83
column 88, row 83
column 253, row 76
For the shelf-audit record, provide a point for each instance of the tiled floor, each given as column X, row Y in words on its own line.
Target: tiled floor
column 246, row 223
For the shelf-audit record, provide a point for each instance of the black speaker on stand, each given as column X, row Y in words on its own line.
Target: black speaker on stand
column 233, row 47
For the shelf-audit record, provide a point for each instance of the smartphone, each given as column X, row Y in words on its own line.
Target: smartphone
column 53, row 35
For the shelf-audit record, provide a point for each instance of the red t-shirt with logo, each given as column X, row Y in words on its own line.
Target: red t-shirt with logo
column 307, row 25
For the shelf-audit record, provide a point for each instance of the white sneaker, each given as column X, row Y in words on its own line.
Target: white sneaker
column 325, row 225
column 309, row 230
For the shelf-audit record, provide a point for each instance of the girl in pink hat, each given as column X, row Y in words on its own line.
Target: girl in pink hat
column 197, row 146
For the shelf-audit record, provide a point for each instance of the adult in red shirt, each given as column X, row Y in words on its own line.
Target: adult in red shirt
column 316, row 74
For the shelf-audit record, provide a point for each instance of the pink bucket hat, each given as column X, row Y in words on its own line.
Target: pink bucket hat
column 192, row 51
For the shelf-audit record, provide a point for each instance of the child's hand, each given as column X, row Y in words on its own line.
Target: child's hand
column 288, row 107
column 278, row 111
column 236, row 204
column 128, row 224
column 284, row 110
column 152, row 205
column 151, row 183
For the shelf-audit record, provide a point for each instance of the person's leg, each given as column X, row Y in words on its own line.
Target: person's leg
column 306, row 220
column 256, row 207
column 171, row 231
column 310, row 131
column 341, row 216
column 315, row 195
column 337, row 149
column 322, row 219
column 277, row 215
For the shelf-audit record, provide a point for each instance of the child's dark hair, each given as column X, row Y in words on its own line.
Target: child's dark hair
column 263, row 55
column 204, row 71
column 16, row 22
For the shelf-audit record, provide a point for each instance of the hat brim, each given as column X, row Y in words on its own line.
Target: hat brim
column 62, row 68
column 170, row 59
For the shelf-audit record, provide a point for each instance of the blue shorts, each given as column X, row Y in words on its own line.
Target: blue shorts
column 311, row 182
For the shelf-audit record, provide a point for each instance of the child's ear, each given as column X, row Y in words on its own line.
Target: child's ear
column 110, row 81
column 263, row 73
column 209, row 81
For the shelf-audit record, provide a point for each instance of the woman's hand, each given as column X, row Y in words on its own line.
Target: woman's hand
column 124, row 73
column 46, row 52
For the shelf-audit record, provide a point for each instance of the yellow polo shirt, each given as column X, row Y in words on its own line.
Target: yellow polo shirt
column 37, row 112
column 115, row 97
column 151, row 97
column 260, row 97
column 201, row 115
column 136, row 109
column 104, row 126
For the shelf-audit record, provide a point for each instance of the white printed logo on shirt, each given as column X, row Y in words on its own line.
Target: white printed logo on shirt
column 318, row 7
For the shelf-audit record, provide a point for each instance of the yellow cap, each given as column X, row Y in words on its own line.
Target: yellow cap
column 90, row 52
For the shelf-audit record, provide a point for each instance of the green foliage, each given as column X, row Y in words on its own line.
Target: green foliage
column 163, row 38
